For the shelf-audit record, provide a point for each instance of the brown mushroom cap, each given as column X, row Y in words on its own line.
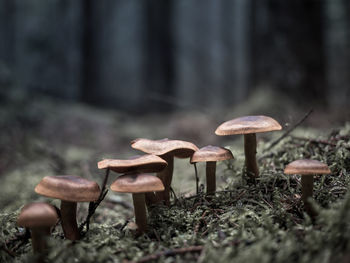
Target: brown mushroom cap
column 248, row 124
column 68, row 188
column 211, row 154
column 180, row 149
column 307, row 167
column 37, row 215
column 148, row 163
column 137, row 183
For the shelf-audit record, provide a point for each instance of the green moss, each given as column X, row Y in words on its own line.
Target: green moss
column 262, row 222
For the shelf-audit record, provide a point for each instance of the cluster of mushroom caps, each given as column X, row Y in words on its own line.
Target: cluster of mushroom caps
column 146, row 189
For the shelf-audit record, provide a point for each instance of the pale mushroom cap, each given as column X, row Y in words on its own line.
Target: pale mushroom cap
column 307, row 167
column 137, row 183
column 37, row 215
column 247, row 125
column 148, row 163
column 68, row 188
column 211, row 154
column 177, row 148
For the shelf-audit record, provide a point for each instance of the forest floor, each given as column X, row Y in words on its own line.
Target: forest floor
column 244, row 222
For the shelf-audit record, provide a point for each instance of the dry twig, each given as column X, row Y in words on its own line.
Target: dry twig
column 171, row 252
column 93, row 205
column 292, row 128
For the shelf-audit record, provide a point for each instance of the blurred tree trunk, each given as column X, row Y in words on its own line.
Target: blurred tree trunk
column 236, row 37
column 288, row 48
column 337, row 50
column 211, row 54
column 159, row 70
column 87, row 91
column 117, row 70
column 7, row 29
column 47, row 47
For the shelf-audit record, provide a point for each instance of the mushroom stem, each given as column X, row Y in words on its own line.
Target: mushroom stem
column 68, row 220
column 307, row 186
column 166, row 176
column 140, row 211
column 38, row 235
column 250, row 155
column 211, row 180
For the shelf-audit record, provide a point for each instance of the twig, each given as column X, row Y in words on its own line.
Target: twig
column 314, row 141
column 172, row 252
column 93, row 205
column 121, row 203
column 23, row 237
column 8, row 251
column 216, row 192
column 292, row 128
column 172, row 190
column 197, row 180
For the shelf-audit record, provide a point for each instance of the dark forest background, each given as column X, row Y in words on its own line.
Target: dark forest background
column 156, row 55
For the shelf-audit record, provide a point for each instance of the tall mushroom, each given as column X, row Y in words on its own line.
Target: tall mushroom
column 138, row 185
column 210, row 155
column 167, row 150
column 147, row 163
column 249, row 126
column 307, row 169
column 39, row 218
column 70, row 190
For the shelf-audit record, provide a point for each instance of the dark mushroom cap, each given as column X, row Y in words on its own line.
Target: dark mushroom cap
column 307, row 167
column 37, row 215
column 148, row 163
column 68, row 188
column 137, row 183
column 211, row 154
column 247, row 125
column 177, row 148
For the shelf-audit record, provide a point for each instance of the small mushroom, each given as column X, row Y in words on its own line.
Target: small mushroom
column 138, row 185
column 167, row 150
column 147, row 163
column 307, row 169
column 210, row 155
column 39, row 218
column 249, row 126
column 70, row 190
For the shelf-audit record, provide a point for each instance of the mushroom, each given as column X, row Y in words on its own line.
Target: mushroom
column 167, row 150
column 138, row 185
column 39, row 218
column 147, row 163
column 307, row 169
column 70, row 190
column 249, row 126
column 210, row 155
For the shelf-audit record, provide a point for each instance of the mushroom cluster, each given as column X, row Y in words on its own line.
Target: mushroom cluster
column 148, row 178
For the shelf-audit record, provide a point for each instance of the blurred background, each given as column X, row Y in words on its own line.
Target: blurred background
column 151, row 55
column 80, row 79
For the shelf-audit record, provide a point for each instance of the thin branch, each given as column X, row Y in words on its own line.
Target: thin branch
column 292, row 128
column 121, row 203
column 172, row 190
column 171, row 252
column 197, row 179
column 23, row 237
column 93, row 205
column 314, row 141
column 8, row 251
